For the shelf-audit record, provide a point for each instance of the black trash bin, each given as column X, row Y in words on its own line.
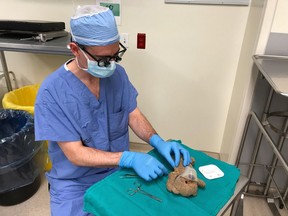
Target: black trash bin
column 21, row 157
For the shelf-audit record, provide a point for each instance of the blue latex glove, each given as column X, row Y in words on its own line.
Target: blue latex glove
column 146, row 166
column 166, row 148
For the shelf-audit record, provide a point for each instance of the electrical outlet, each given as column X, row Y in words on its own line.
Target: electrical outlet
column 124, row 39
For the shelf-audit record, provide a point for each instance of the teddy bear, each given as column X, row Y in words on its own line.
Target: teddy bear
column 184, row 181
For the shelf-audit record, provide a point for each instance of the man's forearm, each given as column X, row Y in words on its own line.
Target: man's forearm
column 140, row 125
column 81, row 155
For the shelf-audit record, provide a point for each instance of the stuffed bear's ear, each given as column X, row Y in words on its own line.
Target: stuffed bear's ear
column 192, row 161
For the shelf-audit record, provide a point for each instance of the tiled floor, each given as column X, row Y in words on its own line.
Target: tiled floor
column 38, row 205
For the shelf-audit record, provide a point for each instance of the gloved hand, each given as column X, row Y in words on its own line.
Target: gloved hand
column 146, row 166
column 166, row 148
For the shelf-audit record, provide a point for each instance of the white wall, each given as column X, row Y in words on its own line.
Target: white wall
column 244, row 80
column 185, row 76
column 280, row 23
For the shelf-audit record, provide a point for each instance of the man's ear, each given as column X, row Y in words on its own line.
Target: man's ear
column 74, row 48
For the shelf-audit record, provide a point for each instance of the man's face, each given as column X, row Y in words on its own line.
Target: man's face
column 103, row 55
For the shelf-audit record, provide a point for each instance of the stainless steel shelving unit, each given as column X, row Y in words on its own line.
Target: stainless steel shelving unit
column 275, row 70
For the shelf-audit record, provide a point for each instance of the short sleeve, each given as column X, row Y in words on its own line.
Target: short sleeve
column 51, row 121
column 132, row 97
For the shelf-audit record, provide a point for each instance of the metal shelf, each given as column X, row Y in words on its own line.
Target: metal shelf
column 274, row 69
column 57, row 46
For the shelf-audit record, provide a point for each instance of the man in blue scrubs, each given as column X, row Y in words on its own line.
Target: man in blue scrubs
column 84, row 109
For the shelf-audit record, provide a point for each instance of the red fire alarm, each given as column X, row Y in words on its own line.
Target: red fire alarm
column 141, row 40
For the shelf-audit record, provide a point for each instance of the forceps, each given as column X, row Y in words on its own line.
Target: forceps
column 138, row 189
column 129, row 175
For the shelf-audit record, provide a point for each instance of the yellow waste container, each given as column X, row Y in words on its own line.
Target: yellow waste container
column 23, row 99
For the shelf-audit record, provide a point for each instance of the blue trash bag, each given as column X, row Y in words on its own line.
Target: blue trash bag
column 21, row 157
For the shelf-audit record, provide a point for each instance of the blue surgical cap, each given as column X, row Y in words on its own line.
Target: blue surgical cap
column 94, row 25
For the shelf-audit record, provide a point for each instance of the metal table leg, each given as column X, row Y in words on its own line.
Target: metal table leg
column 234, row 200
column 270, row 141
column 275, row 159
column 258, row 139
column 5, row 70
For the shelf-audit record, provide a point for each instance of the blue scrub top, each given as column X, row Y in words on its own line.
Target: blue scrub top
column 66, row 110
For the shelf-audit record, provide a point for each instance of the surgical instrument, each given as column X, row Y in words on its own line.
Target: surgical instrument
column 129, row 175
column 138, row 189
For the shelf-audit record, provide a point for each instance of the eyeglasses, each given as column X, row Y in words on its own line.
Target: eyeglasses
column 104, row 61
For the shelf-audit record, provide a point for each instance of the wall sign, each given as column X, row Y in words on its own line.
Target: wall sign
column 115, row 6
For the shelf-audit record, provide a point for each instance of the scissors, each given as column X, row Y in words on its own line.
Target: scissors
column 138, row 189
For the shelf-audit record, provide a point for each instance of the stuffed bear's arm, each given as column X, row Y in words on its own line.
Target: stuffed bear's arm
column 170, row 183
column 201, row 183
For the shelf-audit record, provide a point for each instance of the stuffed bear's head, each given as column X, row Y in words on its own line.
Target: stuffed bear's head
column 184, row 186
